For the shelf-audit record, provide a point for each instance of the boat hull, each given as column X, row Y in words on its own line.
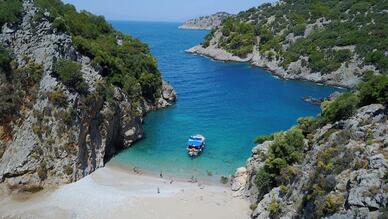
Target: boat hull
column 196, row 144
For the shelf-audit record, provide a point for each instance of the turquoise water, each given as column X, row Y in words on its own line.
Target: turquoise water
column 229, row 103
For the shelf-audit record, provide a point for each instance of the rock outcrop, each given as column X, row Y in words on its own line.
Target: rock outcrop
column 54, row 143
column 356, row 187
column 206, row 22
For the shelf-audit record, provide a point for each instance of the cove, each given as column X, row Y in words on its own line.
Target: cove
column 229, row 103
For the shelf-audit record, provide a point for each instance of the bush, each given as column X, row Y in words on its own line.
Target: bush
column 10, row 11
column 287, row 146
column 70, row 116
column 208, row 38
column 42, row 171
column 274, row 209
column 306, row 124
column 58, row 98
column 264, row 181
column 342, row 107
column 5, row 60
column 37, row 129
column 374, row 90
column 333, row 203
column 150, row 83
column 263, row 138
column 69, row 72
column 299, row 29
column 60, row 24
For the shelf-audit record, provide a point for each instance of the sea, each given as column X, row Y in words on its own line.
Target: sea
column 229, row 103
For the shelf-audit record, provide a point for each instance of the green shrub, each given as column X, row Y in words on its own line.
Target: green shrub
column 374, row 90
column 287, row 175
column 274, row 209
column 299, row 29
column 150, row 84
column 333, row 203
column 69, row 72
column 287, row 145
column 70, row 116
column 263, row 181
column 283, row 189
column 5, row 60
column 60, row 24
column 208, row 37
column 10, row 11
column 306, row 124
column 263, row 138
column 42, row 171
column 342, row 107
column 58, row 98
column 37, row 129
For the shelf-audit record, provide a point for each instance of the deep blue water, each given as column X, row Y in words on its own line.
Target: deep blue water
column 229, row 103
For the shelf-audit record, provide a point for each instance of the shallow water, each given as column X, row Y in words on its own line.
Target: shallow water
column 229, row 103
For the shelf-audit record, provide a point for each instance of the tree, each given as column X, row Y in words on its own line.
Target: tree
column 69, row 72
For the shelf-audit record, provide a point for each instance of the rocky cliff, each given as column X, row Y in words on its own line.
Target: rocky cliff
column 206, row 22
column 342, row 174
column 61, row 134
column 333, row 42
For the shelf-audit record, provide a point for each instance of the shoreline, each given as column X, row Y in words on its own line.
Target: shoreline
column 111, row 192
column 213, row 180
column 205, row 52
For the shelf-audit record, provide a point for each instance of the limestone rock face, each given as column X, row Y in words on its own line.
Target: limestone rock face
column 360, row 179
column 43, row 148
column 206, row 22
column 168, row 96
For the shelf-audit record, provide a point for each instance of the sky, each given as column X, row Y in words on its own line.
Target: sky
column 162, row 10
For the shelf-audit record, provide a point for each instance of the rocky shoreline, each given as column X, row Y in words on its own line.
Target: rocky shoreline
column 347, row 76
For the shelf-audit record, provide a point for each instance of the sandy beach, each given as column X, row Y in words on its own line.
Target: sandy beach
column 114, row 192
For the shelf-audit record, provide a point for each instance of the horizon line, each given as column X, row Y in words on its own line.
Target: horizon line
column 139, row 20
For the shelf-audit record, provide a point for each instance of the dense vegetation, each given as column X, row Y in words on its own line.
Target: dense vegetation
column 358, row 23
column 126, row 62
column 10, row 11
column 287, row 147
column 69, row 72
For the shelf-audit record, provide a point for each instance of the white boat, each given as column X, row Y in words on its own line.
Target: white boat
column 195, row 145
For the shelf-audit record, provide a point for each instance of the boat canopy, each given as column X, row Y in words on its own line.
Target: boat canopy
column 195, row 142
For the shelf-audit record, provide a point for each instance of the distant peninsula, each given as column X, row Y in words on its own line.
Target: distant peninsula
column 205, row 22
